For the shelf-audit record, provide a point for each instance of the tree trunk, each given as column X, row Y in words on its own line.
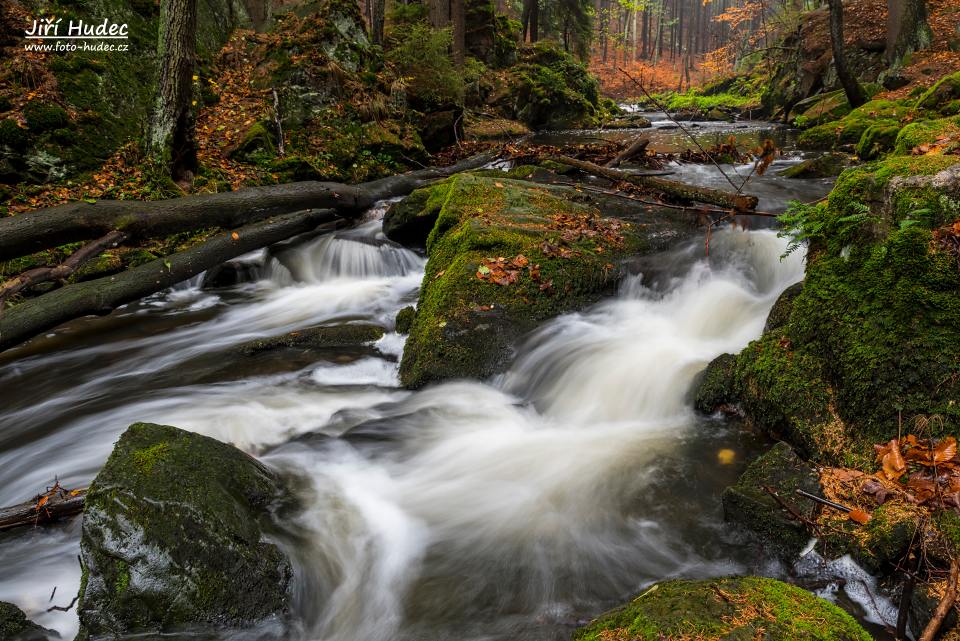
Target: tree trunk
column 376, row 21
column 458, row 17
column 45, row 228
column 103, row 295
column 679, row 190
column 47, row 508
column 171, row 136
column 907, row 29
column 851, row 87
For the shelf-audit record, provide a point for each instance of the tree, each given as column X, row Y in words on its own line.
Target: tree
column 531, row 20
column 170, row 138
column 907, row 28
column 848, row 81
column 376, row 21
column 458, row 17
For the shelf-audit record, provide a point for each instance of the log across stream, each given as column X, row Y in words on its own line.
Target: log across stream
column 510, row 508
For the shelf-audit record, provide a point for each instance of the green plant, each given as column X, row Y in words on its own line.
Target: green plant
column 803, row 223
column 421, row 55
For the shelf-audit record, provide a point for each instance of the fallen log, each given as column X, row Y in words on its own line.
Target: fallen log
column 673, row 188
column 103, row 295
column 63, row 270
column 637, row 148
column 35, row 231
column 57, row 503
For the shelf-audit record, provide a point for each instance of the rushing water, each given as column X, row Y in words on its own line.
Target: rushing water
column 515, row 507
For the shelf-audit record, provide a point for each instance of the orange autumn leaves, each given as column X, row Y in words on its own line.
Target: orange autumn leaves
column 931, row 467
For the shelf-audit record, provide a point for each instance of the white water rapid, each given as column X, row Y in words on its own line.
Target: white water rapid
column 470, row 510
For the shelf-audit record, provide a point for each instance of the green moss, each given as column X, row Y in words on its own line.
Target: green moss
column 926, row 132
column 146, row 458
column 257, row 145
column 873, row 337
column 42, row 117
column 464, row 325
column 889, row 534
column 941, row 94
column 826, row 165
column 828, row 107
column 877, row 140
column 715, row 387
column 553, row 90
column 728, row 609
column 405, row 319
column 12, row 135
column 850, row 129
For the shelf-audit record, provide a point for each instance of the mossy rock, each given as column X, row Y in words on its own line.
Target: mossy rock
column 410, row 221
column 42, row 117
column 825, row 108
column 828, row 165
column 14, row 626
column 726, row 609
column 12, row 135
column 629, row 121
column 874, row 337
column 315, row 338
column 404, row 319
column 926, row 132
column 258, row 143
column 466, row 325
column 941, row 94
column 749, row 504
column 174, row 537
column 494, row 128
column 779, row 314
column 394, row 139
column 850, row 129
column 714, row 388
column 877, row 140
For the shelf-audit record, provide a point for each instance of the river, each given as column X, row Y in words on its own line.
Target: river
column 518, row 507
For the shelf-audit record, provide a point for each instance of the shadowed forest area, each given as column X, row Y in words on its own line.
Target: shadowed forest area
column 382, row 320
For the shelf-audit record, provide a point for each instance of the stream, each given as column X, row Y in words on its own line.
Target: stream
column 518, row 507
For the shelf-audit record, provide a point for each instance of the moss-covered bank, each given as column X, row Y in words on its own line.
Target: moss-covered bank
column 174, row 537
column 729, row 609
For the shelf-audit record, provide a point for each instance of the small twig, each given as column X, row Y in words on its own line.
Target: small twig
column 60, row 608
column 276, row 117
column 789, row 508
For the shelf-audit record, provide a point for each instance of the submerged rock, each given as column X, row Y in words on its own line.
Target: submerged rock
column 750, row 503
column 315, row 338
column 14, row 626
column 727, row 609
column 174, row 537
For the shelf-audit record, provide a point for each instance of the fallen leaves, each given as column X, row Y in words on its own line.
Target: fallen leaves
column 931, row 466
column 501, row 271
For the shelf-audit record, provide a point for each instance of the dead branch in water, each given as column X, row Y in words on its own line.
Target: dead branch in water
column 51, row 506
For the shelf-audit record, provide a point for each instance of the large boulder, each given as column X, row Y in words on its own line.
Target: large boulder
column 727, row 609
column 873, row 338
column 14, row 626
column 175, row 537
column 504, row 255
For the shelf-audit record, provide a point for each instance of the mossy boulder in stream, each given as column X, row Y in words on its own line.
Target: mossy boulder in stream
column 504, row 255
column 14, row 626
column 850, row 129
column 174, row 538
column 752, row 504
column 726, row 609
column 873, row 340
